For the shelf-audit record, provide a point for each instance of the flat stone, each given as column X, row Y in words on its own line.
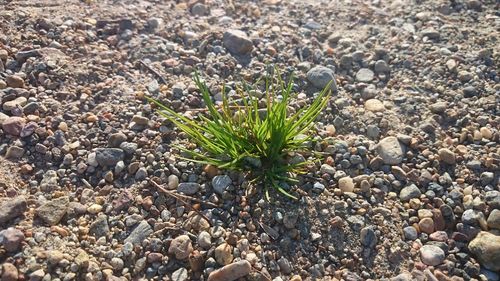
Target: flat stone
column 53, row 211
column 14, row 81
column 365, row 75
column 140, row 232
column 220, row 183
column 13, row 125
column 12, row 208
column 100, row 227
column 447, row 156
column 231, row 271
column 409, row 192
column 109, row 156
column 188, row 188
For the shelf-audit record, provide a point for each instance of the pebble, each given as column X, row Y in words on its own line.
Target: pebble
column 447, row 156
column 188, row 188
column 223, row 254
column 99, row 227
column 374, row 105
column 204, row 240
column 9, row 272
column 13, row 125
column 486, row 248
column 390, row 150
column 426, row 225
column 53, row 211
column 346, row 184
column 109, row 156
column 220, row 183
column 14, row 152
column 494, row 219
column 12, row 208
column 432, row 255
column 12, row 239
column 199, row 9
column 320, row 77
column 365, row 75
column 14, row 81
column 410, row 233
column 15, row 103
column 285, row 265
column 237, row 42
column 409, row 192
column 180, row 274
column 231, row 271
column 181, row 247
column 140, row 232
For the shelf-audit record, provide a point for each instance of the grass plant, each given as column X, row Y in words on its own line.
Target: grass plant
column 243, row 137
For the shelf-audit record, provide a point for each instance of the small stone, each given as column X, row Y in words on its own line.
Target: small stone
column 447, row 156
column 13, row 125
column 364, row 75
column 94, row 209
column 231, row 271
column 327, row 169
column 368, row 237
column 181, row 247
column 188, row 188
column 116, row 139
column 99, row 227
column 14, row 152
column 172, row 182
column 346, row 184
column 9, row 272
column 15, row 103
column 440, row 236
column 494, row 219
column 140, row 232
column 12, row 239
column 390, row 150
column 321, row 76
column 374, row 105
column 430, row 33
column 220, row 183
column 381, row 66
column 14, row 81
column 223, row 254
column 426, row 225
column 204, row 240
column 199, row 9
column 410, row 233
column 109, row 156
column 12, row 208
column 486, row 248
column 285, row 265
column 37, row 275
column 237, row 42
column 180, row 274
column 432, row 255
column 409, row 192
column 54, row 257
column 53, row 211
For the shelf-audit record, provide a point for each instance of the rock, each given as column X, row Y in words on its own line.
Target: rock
column 204, row 240
column 486, row 248
column 368, row 237
column 285, row 265
column 14, row 81
column 410, row 233
column 364, row 75
column 12, row 208
column 53, row 211
column 188, row 188
column 37, row 275
column 426, row 225
column 231, row 272
column 181, row 247
column 109, row 156
column 432, row 255
column 381, row 67
column 140, row 232
column 14, row 152
column 346, row 184
column 172, row 182
column 99, row 227
column 116, row 139
column 9, row 272
column 374, row 105
column 390, row 150
column 494, row 219
column 223, row 254
column 327, row 169
column 447, row 156
column 13, row 125
column 12, row 239
column 409, row 192
column 440, row 236
column 237, row 42
column 320, row 77
column 180, row 274
column 15, row 103
column 199, row 9
column 220, row 183
column 54, row 257
column 430, row 33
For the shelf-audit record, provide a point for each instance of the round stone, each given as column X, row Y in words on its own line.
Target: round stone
column 346, row 184
column 364, row 75
column 374, row 105
column 432, row 255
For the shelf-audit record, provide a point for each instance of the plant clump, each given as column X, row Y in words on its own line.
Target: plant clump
column 242, row 136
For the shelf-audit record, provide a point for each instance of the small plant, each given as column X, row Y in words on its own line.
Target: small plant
column 241, row 137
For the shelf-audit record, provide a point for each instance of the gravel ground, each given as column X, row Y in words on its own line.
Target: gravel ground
column 89, row 182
